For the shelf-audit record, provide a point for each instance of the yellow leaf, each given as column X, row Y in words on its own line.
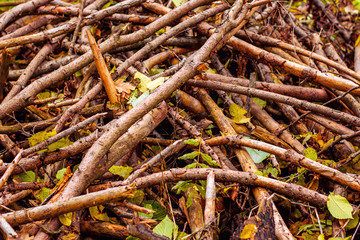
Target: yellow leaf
column 44, row 135
column 211, row 70
column 357, row 41
column 248, row 231
column 238, row 114
column 97, row 214
column 146, row 84
column 178, row 3
column 156, row 83
column 122, row 171
column 329, row 142
column 46, row 94
column 144, row 81
column 70, row 236
column 66, row 219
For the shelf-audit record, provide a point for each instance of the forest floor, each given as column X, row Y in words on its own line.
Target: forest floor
column 179, row 119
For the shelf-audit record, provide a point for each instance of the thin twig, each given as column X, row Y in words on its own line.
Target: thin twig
column 11, row 168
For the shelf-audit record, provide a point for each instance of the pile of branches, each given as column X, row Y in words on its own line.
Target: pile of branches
column 192, row 119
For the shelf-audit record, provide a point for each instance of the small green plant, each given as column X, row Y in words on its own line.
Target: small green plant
column 197, row 154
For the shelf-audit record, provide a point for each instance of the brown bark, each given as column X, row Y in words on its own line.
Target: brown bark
column 344, row 117
column 306, row 93
column 194, row 46
column 98, row 150
column 104, row 229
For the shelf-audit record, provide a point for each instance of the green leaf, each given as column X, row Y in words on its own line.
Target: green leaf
column 209, row 160
column 272, row 170
column 256, row 155
column 60, row 174
column 122, row 171
column 132, row 238
column 353, row 222
column 202, row 165
column 133, row 96
column 156, row 149
column 147, row 206
column 260, row 102
column 78, row 73
column 42, row 194
column 181, row 235
column 44, row 135
column 308, row 228
column 75, row 167
column 29, row 176
column 139, row 99
column 202, row 190
column 356, row 4
column 192, row 165
column 203, row 183
column 156, row 206
column 310, row 153
column 339, row 207
column 155, row 71
column 209, row 132
column 66, row 219
column 191, row 155
column 183, row 186
column 238, row 114
column 189, row 199
column 165, row 228
column 193, row 142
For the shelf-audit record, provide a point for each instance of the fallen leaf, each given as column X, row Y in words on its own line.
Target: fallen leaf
column 238, row 114
column 123, row 89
